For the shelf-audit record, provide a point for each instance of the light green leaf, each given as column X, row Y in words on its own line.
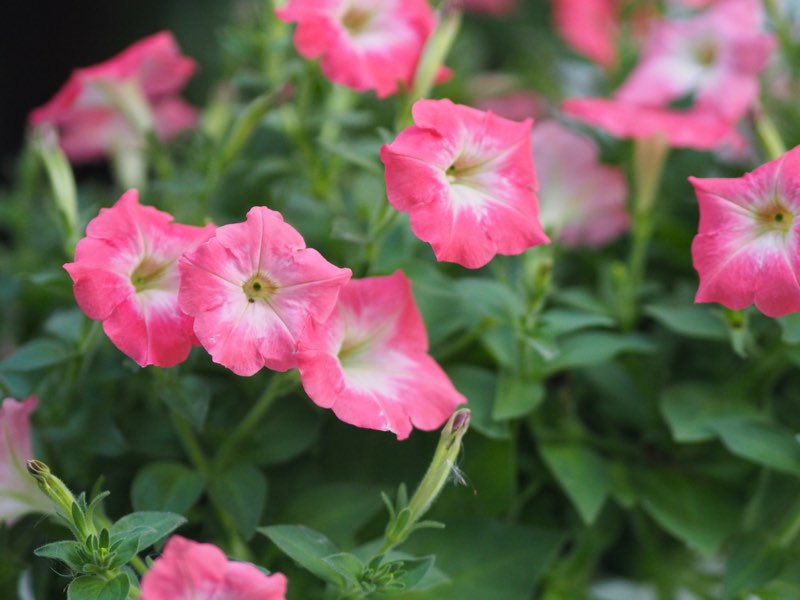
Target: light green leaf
column 594, row 347
column 37, row 354
column 306, row 547
column 479, row 386
column 691, row 320
column 90, row 587
column 563, row 321
column 692, row 408
column 516, row 396
column 763, row 442
column 753, row 561
column 150, row 527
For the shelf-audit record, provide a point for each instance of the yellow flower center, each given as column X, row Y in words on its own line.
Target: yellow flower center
column 259, row 287
column 356, row 19
column 777, row 219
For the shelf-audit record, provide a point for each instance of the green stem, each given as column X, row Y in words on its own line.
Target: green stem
column 191, row 444
column 650, row 155
column 768, row 135
column 279, row 384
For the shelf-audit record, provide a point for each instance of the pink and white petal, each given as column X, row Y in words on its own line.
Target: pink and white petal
column 412, row 182
column 185, row 569
column 243, row 581
column 737, row 273
column 246, row 337
column 211, row 276
column 98, row 291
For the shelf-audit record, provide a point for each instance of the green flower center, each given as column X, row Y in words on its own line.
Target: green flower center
column 150, row 275
column 259, row 287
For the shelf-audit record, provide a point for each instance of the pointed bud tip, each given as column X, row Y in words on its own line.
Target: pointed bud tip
column 37, row 468
column 460, row 420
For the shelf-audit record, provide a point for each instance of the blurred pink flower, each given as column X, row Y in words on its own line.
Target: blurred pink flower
column 467, row 180
column 363, row 44
column 19, row 493
column 492, row 7
column 590, row 27
column 715, row 56
column 694, row 128
column 188, row 569
column 126, row 275
column 253, row 288
column 369, row 361
column 107, row 105
column 581, row 199
column 746, row 250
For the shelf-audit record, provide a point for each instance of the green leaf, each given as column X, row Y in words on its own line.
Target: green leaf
column 485, row 558
column 416, row 570
column 338, row 509
column 67, row 325
column 149, row 527
column 190, row 399
column 242, row 492
column 479, row 386
column 563, row 321
column 37, row 354
column 516, row 395
column 753, row 561
column 90, row 587
column 763, row 442
column 483, row 297
column 292, row 428
column 692, row 408
column 349, row 566
column 582, row 474
column 503, row 344
column 691, row 320
column 700, row 513
column 306, row 547
column 69, row 552
column 166, row 486
column 791, row 328
column 594, row 347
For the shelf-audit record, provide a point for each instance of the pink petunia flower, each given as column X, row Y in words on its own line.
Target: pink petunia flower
column 105, row 107
column 252, row 290
column 188, row 569
column 19, row 493
column 581, row 199
column 590, row 27
column 467, row 180
column 363, row 44
column 126, row 275
column 369, row 361
column 747, row 248
column 694, row 128
column 715, row 56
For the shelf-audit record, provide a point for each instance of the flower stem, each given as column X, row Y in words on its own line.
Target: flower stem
column 768, row 134
column 279, row 384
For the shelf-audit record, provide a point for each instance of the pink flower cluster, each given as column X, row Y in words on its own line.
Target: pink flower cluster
column 713, row 57
column 254, row 296
column 108, row 106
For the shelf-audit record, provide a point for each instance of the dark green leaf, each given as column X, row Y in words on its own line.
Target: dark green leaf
column 516, row 396
column 582, row 474
column 564, row 321
column 691, row 320
column 700, row 513
column 37, row 354
column 190, row 399
column 349, row 566
column 753, row 561
column 485, row 559
column 691, row 410
column 763, row 442
column 242, row 492
column 166, row 486
column 415, row 572
column 483, row 297
column 338, row 509
column 591, row 348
